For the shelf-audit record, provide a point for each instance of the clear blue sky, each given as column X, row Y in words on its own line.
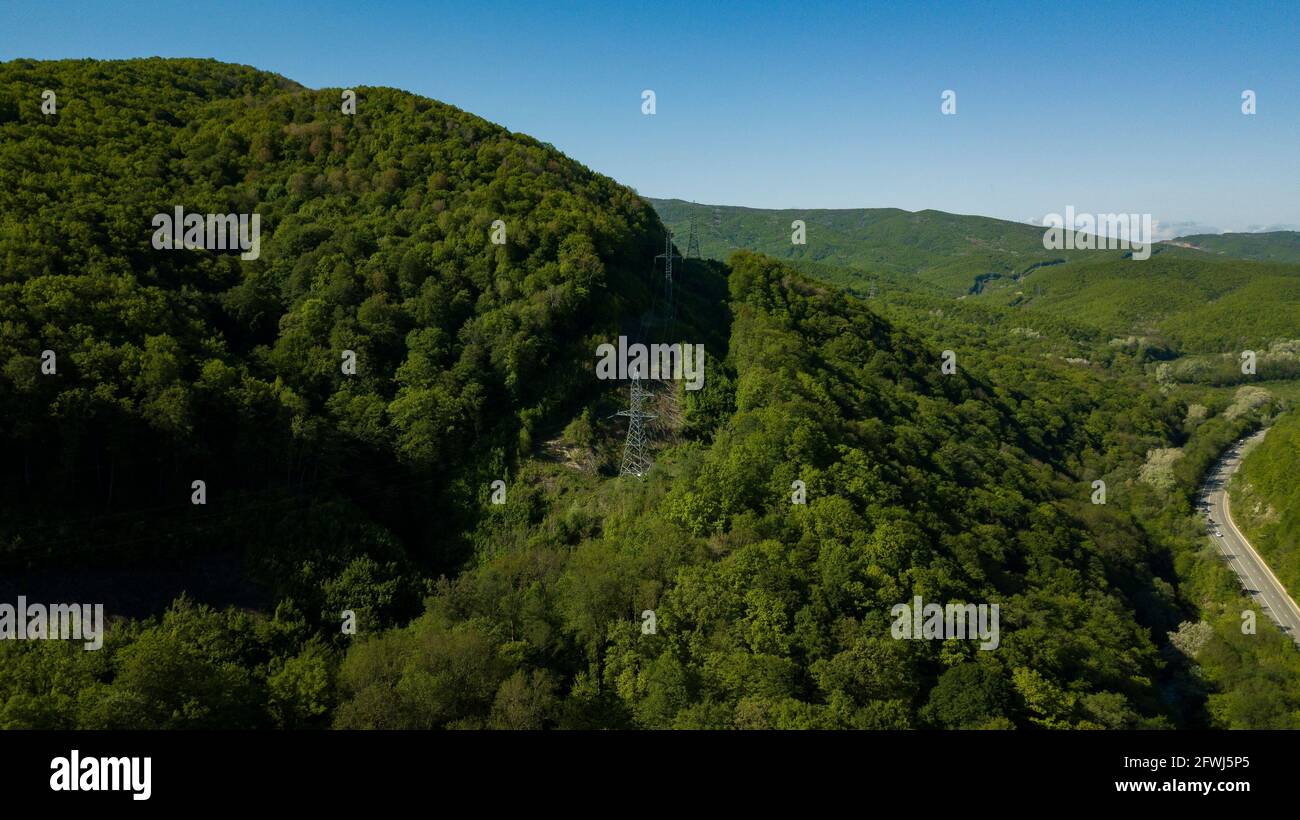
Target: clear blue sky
column 1106, row 106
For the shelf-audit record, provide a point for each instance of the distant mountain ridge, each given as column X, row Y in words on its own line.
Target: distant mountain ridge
column 1271, row 246
column 950, row 249
column 867, row 237
column 1204, row 293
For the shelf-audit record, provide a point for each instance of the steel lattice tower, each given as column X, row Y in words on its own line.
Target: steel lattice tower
column 635, row 459
column 693, row 241
column 670, row 305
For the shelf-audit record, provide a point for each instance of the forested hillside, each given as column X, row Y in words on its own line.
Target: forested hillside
column 1273, row 246
column 1194, row 305
column 773, row 614
column 370, row 492
column 180, row 365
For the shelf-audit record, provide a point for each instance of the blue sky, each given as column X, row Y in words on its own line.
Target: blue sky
column 1106, row 106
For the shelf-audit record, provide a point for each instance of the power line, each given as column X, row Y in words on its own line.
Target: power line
column 636, row 457
column 670, row 306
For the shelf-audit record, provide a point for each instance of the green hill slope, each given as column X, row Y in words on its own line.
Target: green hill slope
column 183, row 365
column 936, row 248
column 1210, row 306
column 1274, row 246
column 774, row 614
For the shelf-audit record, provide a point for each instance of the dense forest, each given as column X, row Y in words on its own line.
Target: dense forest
column 180, row 365
column 370, row 492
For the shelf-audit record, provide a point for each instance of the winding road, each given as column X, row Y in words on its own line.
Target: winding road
column 1255, row 576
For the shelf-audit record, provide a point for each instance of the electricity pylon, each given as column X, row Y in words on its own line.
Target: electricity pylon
column 670, row 305
column 635, row 459
column 693, row 241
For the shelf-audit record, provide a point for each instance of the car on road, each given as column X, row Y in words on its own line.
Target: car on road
column 1218, row 534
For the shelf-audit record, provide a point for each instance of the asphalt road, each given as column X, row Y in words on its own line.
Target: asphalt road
column 1255, row 576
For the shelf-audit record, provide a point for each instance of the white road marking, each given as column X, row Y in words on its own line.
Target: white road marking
column 1254, row 573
